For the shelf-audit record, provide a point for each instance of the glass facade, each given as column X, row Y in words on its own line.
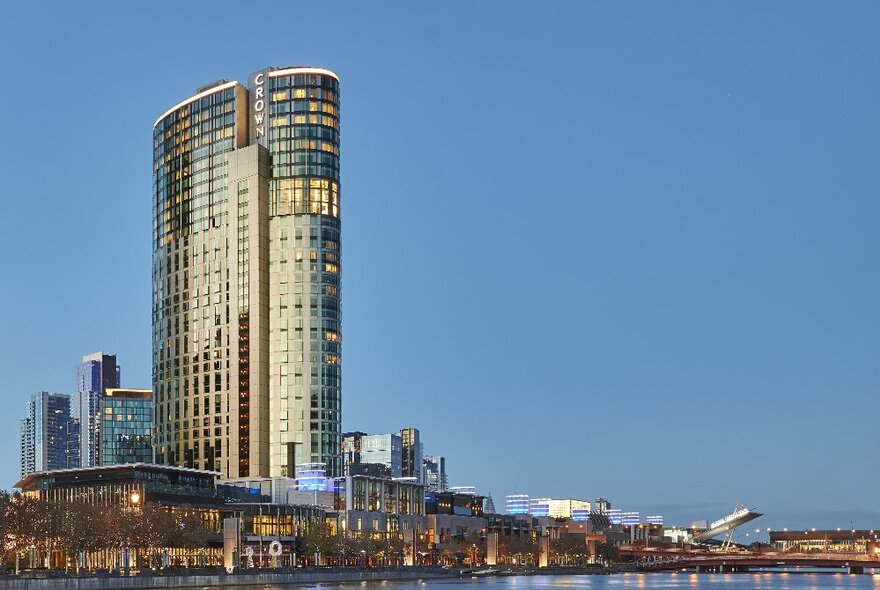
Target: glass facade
column 246, row 267
column 127, row 426
column 434, row 473
column 517, row 504
column 411, row 461
column 191, row 334
column 304, row 266
column 94, row 375
column 44, row 433
column 384, row 449
column 379, row 505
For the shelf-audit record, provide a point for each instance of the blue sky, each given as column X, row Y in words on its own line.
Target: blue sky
column 625, row 249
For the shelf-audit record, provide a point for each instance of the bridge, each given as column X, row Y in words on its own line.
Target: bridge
column 744, row 561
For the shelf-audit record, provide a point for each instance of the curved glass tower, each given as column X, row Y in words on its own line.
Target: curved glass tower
column 246, row 268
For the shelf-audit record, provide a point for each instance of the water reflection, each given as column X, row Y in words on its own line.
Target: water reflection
column 683, row 580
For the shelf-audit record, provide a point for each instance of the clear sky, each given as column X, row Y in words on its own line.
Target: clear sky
column 619, row 249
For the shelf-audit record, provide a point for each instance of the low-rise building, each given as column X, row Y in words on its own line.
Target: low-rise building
column 824, row 541
column 453, row 517
column 376, row 506
column 180, row 491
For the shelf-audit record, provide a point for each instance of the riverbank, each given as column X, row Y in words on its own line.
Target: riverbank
column 219, row 579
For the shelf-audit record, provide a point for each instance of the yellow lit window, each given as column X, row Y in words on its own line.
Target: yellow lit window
column 280, row 95
column 299, row 119
column 299, row 93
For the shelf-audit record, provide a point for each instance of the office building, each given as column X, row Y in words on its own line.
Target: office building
column 44, row 433
column 379, row 455
column 558, row 507
column 412, row 452
column 539, row 506
column 517, row 504
column 246, row 267
column 351, row 449
column 126, row 427
column 434, row 473
column 96, row 373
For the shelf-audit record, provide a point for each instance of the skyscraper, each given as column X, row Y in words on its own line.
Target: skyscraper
column 94, row 375
column 363, row 452
column 44, row 433
column 434, row 473
column 246, row 267
column 97, row 372
column 411, row 461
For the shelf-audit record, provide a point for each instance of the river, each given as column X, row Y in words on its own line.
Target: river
column 757, row 580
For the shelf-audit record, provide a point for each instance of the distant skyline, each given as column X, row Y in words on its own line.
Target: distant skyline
column 624, row 249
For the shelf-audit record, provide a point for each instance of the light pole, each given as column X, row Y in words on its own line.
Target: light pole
column 134, row 500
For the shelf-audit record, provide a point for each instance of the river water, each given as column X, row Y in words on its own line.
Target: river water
column 744, row 581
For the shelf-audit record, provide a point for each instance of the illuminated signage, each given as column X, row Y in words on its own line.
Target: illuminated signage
column 260, row 105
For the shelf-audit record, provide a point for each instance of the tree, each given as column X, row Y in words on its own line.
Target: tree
column 569, row 550
column 29, row 523
column 80, row 528
column 318, row 539
column 522, row 548
column 607, row 552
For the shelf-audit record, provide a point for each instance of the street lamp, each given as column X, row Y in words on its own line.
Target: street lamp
column 134, row 498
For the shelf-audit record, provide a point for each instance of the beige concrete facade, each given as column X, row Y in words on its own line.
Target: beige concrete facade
column 246, row 336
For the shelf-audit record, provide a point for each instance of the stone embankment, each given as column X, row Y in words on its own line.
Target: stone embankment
column 218, row 579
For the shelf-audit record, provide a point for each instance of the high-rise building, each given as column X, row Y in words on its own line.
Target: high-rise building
column 373, row 454
column 434, row 473
column 411, row 459
column 97, row 372
column 351, row 449
column 126, row 428
column 94, row 375
column 246, row 267
column 44, row 433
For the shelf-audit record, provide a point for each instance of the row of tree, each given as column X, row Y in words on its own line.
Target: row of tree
column 337, row 549
column 72, row 530
column 454, row 550
column 29, row 524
